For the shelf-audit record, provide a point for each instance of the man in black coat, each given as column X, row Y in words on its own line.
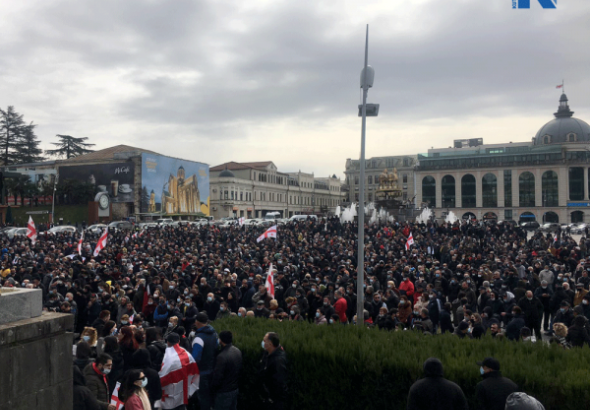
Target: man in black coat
column 491, row 393
column 434, row 391
column 274, row 373
column 228, row 364
column 532, row 308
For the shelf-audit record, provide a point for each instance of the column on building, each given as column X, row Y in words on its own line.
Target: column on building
column 500, row 191
column 478, row 193
column 539, row 189
column 438, row 179
column 585, row 183
column 515, row 197
column 458, row 191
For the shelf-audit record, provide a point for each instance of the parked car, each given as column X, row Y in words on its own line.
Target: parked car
column 62, row 229
column 303, row 217
column 120, row 225
column 12, row 232
column 550, row 227
column 251, row 222
column 578, row 228
column 147, row 225
column 530, row 226
column 96, row 229
column 164, row 221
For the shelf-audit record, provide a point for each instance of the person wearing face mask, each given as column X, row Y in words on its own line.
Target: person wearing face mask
column 273, row 373
column 96, row 380
column 189, row 313
column 223, row 311
column 161, row 314
column 544, row 294
column 211, row 306
column 133, row 392
column 203, row 351
column 491, row 393
column 261, row 310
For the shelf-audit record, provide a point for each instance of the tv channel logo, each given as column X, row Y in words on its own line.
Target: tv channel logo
column 526, row 4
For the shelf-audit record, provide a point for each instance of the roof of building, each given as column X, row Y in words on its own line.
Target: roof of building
column 563, row 126
column 226, row 173
column 108, row 154
column 235, row 166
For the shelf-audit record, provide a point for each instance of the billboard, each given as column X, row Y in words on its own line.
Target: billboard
column 173, row 186
column 116, row 179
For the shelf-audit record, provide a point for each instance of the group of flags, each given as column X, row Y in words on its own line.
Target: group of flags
column 100, row 245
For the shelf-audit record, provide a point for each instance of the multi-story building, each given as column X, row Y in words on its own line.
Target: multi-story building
column 373, row 168
column 546, row 179
column 252, row 189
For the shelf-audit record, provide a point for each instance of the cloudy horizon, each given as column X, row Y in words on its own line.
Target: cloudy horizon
column 217, row 81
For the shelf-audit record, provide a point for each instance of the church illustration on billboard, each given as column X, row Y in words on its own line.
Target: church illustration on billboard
column 180, row 195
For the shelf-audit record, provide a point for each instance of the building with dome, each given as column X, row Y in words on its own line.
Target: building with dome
column 545, row 180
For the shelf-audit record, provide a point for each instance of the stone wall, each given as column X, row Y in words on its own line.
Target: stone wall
column 36, row 363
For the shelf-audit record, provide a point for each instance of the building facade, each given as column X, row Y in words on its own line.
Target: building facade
column 546, row 180
column 404, row 164
column 252, row 189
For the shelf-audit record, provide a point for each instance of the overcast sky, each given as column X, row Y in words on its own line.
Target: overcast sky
column 219, row 80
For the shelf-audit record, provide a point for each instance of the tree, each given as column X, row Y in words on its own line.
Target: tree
column 27, row 149
column 69, row 147
column 11, row 124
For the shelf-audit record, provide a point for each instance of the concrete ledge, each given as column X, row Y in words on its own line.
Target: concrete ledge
column 42, row 326
column 18, row 304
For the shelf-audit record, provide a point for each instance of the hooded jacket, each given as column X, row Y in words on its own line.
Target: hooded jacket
column 204, row 347
column 434, row 391
column 141, row 360
column 83, row 397
column 491, row 393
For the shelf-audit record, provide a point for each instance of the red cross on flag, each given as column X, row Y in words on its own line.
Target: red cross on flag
column 270, row 284
column 241, row 221
column 269, row 233
column 410, row 241
column 31, row 231
column 80, row 243
column 179, row 377
column 115, row 401
column 102, row 242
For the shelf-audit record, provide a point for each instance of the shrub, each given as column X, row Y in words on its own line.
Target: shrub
column 343, row 367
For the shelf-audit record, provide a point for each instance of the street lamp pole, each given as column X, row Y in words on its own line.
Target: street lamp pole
column 367, row 76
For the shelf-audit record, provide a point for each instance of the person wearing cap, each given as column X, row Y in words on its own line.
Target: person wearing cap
column 204, row 348
column 565, row 314
column 492, row 391
column 261, row 310
column 228, row 364
column 462, row 330
column 434, row 391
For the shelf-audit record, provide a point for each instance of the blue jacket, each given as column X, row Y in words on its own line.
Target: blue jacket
column 513, row 328
column 204, row 347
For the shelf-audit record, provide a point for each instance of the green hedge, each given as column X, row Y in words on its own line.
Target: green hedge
column 343, row 367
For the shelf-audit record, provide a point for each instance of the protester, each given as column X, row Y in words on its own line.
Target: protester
column 96, row 380
column 83, row 397
column 179, row 375
column 133, row 392
column 204, row 349
column 273, row 373
column 491, row 393
column 434, row 391
column 228, row 364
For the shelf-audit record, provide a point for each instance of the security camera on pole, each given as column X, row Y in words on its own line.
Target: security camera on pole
column 371, row 110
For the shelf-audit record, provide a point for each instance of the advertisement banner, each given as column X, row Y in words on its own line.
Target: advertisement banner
column 173, row 186
column 116, row 179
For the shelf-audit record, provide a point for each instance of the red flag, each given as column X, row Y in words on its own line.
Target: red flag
column 269, row 233
column 102, row 242
column 270, row 284
column 410, row 241
column 31, row 231
column 559, row 86
column 179, row 377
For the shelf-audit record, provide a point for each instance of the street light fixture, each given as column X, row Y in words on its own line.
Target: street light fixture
column 367, row 78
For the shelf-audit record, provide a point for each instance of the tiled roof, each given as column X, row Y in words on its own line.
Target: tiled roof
column 107, row 154
column 233, row 166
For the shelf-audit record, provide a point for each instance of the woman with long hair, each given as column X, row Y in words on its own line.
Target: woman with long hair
column 132, row 390
column 111, row 347
column 128, row 345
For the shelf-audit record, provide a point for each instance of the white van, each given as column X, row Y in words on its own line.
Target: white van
column 272, row 215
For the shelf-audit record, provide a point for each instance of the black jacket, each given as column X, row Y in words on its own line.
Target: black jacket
column 274, row 375
column 513, row 328
column 157, row 350
column 227, row 370
column 445, row 322
column 435, row 392
column 491, row 393
column 141, row 360
column 83, row 398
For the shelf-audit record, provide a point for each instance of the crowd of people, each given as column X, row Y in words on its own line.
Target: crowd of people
column 467, row 278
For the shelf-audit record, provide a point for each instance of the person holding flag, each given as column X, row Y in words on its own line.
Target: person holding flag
column 31, row 231
column 132, row 391
column 270, row 284
column 102, row 242
column 179, row 375
column 409, row 242
column 80, row 243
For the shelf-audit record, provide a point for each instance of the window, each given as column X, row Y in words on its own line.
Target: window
column 572, row 137
column 468, row 191
column 576, row 177
column 448, row 191
column 508, row 214
column 549, row 185
column 507, row 188
column 370, row 179
column 547, row 139
column 241, row 196
column 526, row 189
column 356, row 180
column 370, row 197
column 489, row 191
column 429, row 191
column 405, row 178
column 577, row 216
column 224, row 194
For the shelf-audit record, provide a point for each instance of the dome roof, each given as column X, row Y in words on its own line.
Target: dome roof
column 226, row 173
column 564, row 128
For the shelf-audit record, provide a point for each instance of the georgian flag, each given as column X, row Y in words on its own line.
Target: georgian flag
column 269, row 233
column 410, row 241
column 115, row 400
column 179, row 377
column 559, row 86
column 31, row 231
column 137, row 235
column 241, row 221
column 102, row 242
column 80, row 243
column 270, row 284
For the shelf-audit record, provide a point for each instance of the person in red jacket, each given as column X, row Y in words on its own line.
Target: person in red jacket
column 340, row 306
column 133, row 392
column 407, row 286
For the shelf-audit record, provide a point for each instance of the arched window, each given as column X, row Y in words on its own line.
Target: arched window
column 526, row 189
column 572, row 137
column 576, row 177
column 489, row 191
column 468, row 191
column 549, row 188
column 448, row 191
column 429, row 191
column 550, row 217
column 577, row 216
column 546, row 139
